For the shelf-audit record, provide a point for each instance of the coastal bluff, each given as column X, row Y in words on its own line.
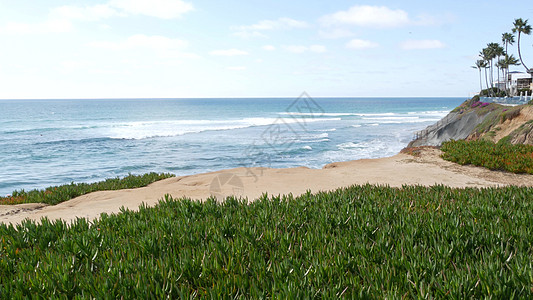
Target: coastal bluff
column 473, row 120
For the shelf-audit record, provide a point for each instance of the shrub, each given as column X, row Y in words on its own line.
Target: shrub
column 501, row 156
column 510, row 114
column 58, row 194
column 492, row 92
column 505, row 140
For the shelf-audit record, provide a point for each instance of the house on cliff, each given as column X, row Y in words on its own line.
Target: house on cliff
column 519, row 81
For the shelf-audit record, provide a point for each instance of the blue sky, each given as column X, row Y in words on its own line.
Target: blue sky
column 248, row 48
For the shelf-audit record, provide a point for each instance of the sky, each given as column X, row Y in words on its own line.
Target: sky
column 249, row 48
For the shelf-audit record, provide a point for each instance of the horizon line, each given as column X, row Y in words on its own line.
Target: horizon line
column 251, row 97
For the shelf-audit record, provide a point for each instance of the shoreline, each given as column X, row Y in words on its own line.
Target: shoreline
column 401, row 169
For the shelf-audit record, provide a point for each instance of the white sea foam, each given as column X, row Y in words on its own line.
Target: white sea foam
column 396, row 119
column 151, row 129
column 348, row 145
column 374, row 148
column 430, row 112
column 313, row 138
column 335, row 114
column 378, row 114
column 400, row 120
column 315, row 141
column 319, row 114
column 407, row 122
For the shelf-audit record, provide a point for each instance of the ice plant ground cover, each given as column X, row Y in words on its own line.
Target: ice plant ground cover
column 58, row 194
column 501, row 156
column 361, row 241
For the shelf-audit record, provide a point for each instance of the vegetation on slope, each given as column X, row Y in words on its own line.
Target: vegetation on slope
column 58, row 194
column 501, row 156
column 494, row 120
column 362, row 241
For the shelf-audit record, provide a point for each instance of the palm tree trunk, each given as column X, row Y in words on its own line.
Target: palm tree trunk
column 505, row 77
column 498, row 72
column 491, row 78
column 487, row 81
column 480, row 83
column 506, row 71
column 520, row 54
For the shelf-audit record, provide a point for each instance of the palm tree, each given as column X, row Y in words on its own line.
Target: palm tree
column 497, row 51
column 508, row 60
column 507, row 39
column 521, row 26
column 489, row 53
column 479, row 65
column 486, row 56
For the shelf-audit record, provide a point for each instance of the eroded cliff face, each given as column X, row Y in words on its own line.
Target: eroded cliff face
column 455, row 126
column 517, row 130
column 474, row 120
column 524, row 136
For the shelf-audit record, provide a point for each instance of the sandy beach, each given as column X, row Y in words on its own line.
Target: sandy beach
column 402, row 169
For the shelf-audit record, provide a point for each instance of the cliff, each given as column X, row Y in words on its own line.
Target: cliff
column 474, row 120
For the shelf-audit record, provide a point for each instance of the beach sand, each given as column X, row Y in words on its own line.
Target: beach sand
column 402, row 169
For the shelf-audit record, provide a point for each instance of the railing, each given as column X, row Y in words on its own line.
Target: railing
column 422, row 134
column 508, row 100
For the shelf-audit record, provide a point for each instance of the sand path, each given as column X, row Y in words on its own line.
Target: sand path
column 401, row 169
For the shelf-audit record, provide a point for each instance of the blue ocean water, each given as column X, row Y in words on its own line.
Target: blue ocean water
column 52, row 142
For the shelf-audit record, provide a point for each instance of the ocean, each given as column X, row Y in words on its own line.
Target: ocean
column 52, row 142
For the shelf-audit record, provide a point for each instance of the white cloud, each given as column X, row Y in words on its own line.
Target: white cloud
column 74, row 65
column 49, row 26
column 361, row 44
column 254, row 30
column 422, row 44
column 368, row 16
column 336, row 33
column 269, row 48
column 317, row 48
column 164, row 9
column 59, row 18
column 86, row 13
column 236, row 68
column 155, row 42
column 228, row 52
column 296, row 49
column 301, row 49
column 429, row 20
column 248, row 34
column 281, row 23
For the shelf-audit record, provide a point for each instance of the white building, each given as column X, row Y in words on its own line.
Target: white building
column 519, row 81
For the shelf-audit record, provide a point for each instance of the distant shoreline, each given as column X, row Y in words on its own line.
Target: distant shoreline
column 237, row 98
